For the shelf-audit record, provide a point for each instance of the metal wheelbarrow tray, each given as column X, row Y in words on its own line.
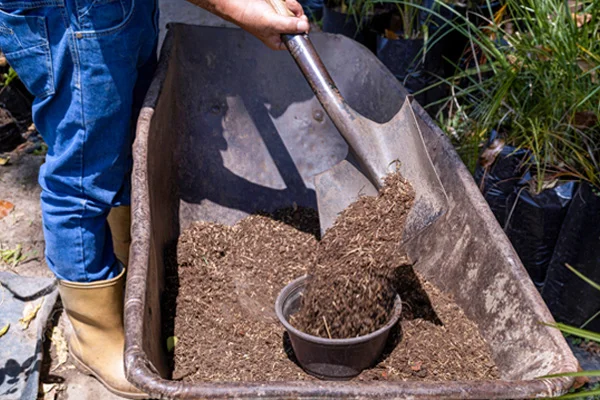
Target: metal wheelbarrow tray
column 230, row 127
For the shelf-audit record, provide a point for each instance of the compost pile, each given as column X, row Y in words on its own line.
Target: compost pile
column 352, row 290
column 222, row 283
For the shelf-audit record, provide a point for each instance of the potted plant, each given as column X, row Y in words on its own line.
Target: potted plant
column 532, row 76
column 357, row 19
column 410, row 47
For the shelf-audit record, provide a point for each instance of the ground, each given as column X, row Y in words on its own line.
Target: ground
column 23, row 226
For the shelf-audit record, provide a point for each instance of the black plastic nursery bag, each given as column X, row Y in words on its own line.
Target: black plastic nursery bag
column 533, row 225
column 569, row 298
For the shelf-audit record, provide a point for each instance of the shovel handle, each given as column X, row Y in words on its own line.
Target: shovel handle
column 313, row 69
column 280, row 8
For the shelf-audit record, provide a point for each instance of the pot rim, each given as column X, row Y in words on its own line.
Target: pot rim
column 301, row 281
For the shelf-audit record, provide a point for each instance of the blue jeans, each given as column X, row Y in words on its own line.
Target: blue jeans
column 313, row 8
column 88, row 63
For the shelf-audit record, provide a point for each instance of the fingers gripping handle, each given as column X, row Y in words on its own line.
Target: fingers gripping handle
column 281, row 8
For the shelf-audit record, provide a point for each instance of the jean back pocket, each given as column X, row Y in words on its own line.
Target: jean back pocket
column 102, row 15
column 24, row 42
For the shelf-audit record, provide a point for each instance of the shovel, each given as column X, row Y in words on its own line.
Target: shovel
column 378, row 149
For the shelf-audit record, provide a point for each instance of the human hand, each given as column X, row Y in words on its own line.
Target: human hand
column 260, row 19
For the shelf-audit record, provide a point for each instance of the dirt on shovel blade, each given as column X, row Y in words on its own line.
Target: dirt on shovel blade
column 222, row 283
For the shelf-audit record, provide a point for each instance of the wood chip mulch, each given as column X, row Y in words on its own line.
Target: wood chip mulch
column 222, row 284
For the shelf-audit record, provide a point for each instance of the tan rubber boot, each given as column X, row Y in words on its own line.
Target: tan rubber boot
column 119, row 220
column 97, row 342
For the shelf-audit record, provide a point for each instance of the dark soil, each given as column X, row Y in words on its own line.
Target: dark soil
column 229, row 278
column 352, row 290
column 220, row 305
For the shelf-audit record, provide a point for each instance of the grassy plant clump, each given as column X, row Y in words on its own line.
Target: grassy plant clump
column 357, row 9
column 531, row 72
column 409, row 11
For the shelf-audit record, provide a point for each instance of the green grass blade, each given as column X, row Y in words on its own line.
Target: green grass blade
column 591, row 95
column 580, row 395
column 573, row 374
column 576, row 331
column 590, row 320
column 585, row 278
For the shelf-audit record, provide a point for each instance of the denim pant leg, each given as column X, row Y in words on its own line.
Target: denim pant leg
column 80, row 58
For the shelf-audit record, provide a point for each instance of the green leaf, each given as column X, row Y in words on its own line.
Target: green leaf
column 574, row 374
column 171, row 343
column 579, row 395
column 10, row 76
column 585, row 278
column 576, row 331
column 593, row 317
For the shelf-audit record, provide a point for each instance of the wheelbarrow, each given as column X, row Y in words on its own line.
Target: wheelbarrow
column 230, row 128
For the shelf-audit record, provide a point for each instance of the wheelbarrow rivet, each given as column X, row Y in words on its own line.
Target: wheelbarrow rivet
column 318, row 115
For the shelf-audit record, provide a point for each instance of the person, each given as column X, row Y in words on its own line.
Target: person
column 88, row 63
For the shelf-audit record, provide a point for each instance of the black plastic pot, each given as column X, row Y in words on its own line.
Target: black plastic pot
column 500, row 180
column 534, row 223
column 484, row 13
column 569, row 298
column 403, row 57
column 334, row 359
column 452, row 42
column 344, row 24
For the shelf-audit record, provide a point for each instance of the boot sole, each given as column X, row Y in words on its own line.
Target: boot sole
column 88, row 371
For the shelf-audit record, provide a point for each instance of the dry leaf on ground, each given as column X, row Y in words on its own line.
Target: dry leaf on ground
column 391, row 35
column 12, row 257
column 490, row 154
column 29, row 313
column 4, row 330
column 588, row 67
column 584, row 119
column 49, row 391
column 5, row 208
column 60, row 344
column 581, row 18
column 416, row 366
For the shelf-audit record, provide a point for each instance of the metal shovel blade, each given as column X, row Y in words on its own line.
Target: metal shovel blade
column 393, row 146
column 379, row 149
